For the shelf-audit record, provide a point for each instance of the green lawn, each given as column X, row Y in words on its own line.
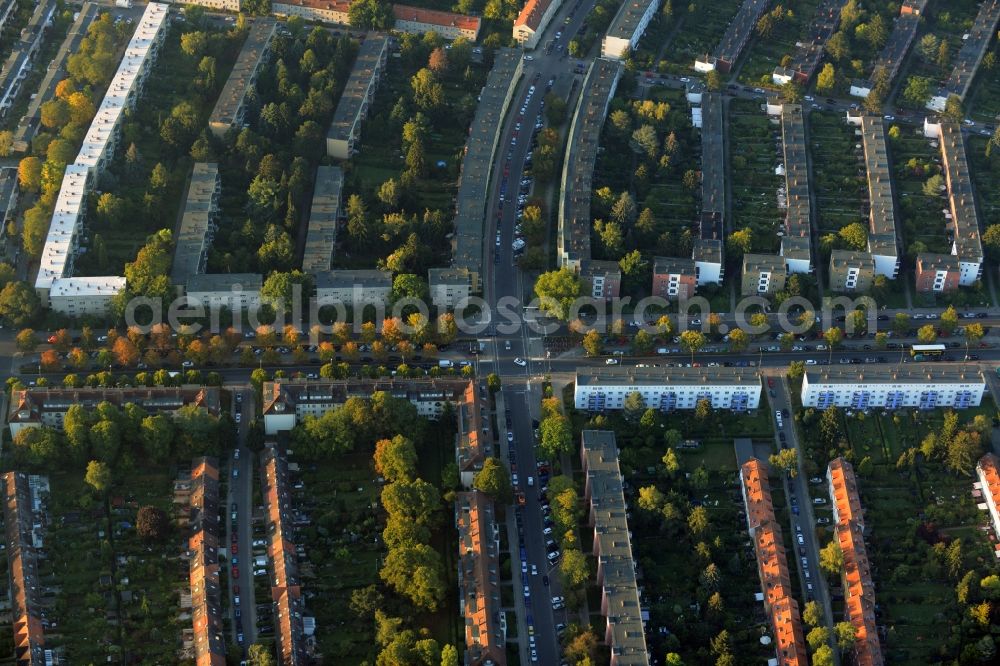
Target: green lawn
column 766, row 54
column 839, row 182
column 90, row 553
column 701, row 32
column 753, row 142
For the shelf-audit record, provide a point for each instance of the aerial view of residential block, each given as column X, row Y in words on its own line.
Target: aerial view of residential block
column 556, row 332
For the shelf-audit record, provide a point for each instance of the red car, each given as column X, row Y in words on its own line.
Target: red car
column 770, row 382
column 235, row 547
column 236, row 573
column 52, row 339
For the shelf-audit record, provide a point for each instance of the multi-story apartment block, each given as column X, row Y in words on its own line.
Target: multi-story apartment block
column 209, row 640
column 26, row 604
column 890, row 60
column 937, row 272
column 883, row 244
column 286, row 402
column 796, row 247
column 448, row 25
column 354, row 288
column 479, row 579
column 581, row 155
column 324, row 215
column 286, row 584
column 62, row 242
column 988, row 473
column 666, row 389
column 345, row 128
column 627, row 27
column 468, row 243
column 673, row 278
column 919, row 385
column 603, row 279
column 735, row 38
column 233, row 291
column 21, row 60
column 707, row 252
column 56, row 72
column 616, row 567
column 763, row 274
column 964, row 223
column 532, row 21
column 974, row 47
column 859, row 591
column 36, row 406
column 449, row 286
column 201, row 208
column 809, row 53
column 230, row 109
column 214, row 5
column 851, row 271
column 322, row 11
column 772, row 565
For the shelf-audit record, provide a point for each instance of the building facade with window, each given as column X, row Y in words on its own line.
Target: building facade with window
column 667, row 389
column 919, row 385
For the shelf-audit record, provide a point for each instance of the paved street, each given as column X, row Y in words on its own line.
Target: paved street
column 240, row 497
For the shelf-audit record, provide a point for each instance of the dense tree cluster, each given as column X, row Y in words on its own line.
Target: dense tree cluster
column 357, row 420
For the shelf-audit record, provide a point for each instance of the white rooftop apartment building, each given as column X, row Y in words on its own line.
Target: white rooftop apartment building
column 667, row 389
column 627, row 27
column 915, row 385
column 233, row 291
column 62, row 241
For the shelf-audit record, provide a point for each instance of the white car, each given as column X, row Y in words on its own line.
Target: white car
column 611, row 361
column 524, row 567
column 534, row 570
column 520, row 362
column 510, row 437
column 800, row 539
column 810, row 361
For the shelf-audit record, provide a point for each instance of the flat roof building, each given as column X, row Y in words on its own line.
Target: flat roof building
column 20, row 62
column 735, row 39
column 468, row 246
column 582, row 146
column 99, row 144
column 602, row 279
column 234, row 291
column 324, row 214
column 447, row 25
column 345, row 128
column 479, row 579
column 974, row 47
column 602, row 389
column 627, row 27
column 616, row 566
column 532, row 21
column 230, row 108
column 194, row 238
column 809, row 51
column 27, row 127
column 713, row 168
column 355, row 288
column 914, row 385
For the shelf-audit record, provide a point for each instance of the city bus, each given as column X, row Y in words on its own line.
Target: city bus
column 926, row 352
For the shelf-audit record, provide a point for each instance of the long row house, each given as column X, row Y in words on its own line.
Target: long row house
column 970, row 56
column 208, row 642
